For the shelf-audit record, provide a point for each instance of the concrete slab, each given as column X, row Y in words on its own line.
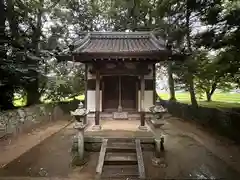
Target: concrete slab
column 125, row 125
column 125, row 157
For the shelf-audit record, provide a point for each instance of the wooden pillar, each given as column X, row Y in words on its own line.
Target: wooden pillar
column 97, row 98
column 119, row 94
column 85, row 90
column 142, row 82
column 154, row 85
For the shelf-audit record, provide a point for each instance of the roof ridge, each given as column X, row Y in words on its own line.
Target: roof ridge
column 119, row 35
column 157, row 42
column 82, row 43
column 119, row 32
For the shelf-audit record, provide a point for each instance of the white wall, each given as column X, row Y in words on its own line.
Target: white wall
column 148, row 100
column 148, row 94
column 91, row 100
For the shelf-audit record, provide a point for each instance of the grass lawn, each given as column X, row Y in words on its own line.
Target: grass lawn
column 22, row 101
column 219, row 100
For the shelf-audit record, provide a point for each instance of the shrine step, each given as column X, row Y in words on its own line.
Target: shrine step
column 121, row 140
column 120, row 159
column 127, row 147
column 120, row 172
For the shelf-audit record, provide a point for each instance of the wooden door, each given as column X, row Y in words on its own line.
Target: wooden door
column 128, row 92
column 110, row 93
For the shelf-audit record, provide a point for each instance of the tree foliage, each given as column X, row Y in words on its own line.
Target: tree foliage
column 211, row 76
column 32, row 30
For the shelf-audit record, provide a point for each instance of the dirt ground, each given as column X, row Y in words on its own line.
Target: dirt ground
column 12, row 147
column 186, row 156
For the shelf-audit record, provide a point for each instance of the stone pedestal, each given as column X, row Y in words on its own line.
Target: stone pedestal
column 79, row 156
column 142, row 128
column 159, row 146
column 96, row 127
column 159, row 159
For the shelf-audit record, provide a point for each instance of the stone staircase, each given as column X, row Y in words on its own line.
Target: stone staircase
column 120, row 159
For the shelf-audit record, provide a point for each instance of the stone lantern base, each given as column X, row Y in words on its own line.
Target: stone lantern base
column 78, row 145
column 143, row 128
column 96, row 127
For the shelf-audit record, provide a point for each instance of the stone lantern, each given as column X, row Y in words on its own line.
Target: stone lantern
column 158, row 111
column 80, row 113
column 80, row 116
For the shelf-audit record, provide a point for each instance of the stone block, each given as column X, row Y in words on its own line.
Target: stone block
column 157, row 123
column 96, row 128
column 143, row 128
column 120, row 115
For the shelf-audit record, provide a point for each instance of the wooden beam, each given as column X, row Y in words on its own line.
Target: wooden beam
column 154, row 84
column 141, row 168
column 137, row 88
column 85, row 90
column 128, row 56
column 101, row 158
column 119, row 94
column 97, row 98
column 123, row 71
column 142, row 85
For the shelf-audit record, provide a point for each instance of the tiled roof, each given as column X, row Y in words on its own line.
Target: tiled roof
column 117, row 42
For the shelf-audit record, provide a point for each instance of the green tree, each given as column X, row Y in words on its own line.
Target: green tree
column 211, row 76
column 6, row 88
column 66, row 81
column 223, row 34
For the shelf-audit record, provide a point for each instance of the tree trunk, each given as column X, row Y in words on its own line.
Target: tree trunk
column 33, row 94
column 134, row 16
column 13, row 23
column 2, row 22
column 210, row 93
column 171, row 82
column 209, row 97
column 6, row 88
column 190, row 78
column 191, row 90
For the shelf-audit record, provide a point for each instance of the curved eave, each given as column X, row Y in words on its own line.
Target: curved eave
column 149, row 55
column 132, row 56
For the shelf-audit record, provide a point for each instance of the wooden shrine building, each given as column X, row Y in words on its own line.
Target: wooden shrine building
column 120, row 72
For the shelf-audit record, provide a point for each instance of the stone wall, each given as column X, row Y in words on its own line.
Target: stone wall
column 25, row 119
column 225, row 122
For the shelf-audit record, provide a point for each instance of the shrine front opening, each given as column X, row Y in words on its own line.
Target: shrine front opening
column 119, row 93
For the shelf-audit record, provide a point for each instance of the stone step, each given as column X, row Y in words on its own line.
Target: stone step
column 120, row 172
column 120, row 159
column 127, row 147
column 121, row 140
